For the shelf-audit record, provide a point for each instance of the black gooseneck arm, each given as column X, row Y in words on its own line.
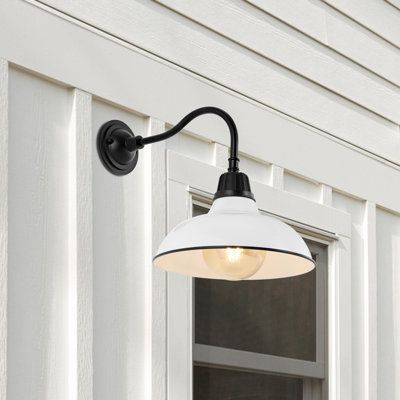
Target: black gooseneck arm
column 118, row 149
column 138, row 142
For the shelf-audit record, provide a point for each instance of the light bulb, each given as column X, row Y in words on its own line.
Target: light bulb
column 234, row 263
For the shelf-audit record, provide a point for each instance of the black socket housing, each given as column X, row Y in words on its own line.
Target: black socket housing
column 234, row 184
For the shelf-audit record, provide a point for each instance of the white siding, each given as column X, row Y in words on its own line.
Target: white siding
column 388, row 281
column 355, row 209
column 37, row 323
column 375, row 15
column 3, row 223
column 314, row 87
column 80, row 248
column 250, row 73
column 118, row 274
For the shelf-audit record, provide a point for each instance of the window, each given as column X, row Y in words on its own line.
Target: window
column 221, row 384
column 260, row 339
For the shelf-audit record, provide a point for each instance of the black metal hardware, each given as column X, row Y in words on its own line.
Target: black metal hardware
column 118, row 149
column 234, row 184
column 112, row 149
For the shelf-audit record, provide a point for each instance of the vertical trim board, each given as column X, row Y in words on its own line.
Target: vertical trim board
column 326, row 195
column 339, row 320
column 179, row 316
column 3, row 223
column 277, row 176
column 155, row 278
column 370, row 303
column 81, row 250
column 221, row 154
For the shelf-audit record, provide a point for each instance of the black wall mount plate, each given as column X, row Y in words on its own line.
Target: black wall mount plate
column 111, row 147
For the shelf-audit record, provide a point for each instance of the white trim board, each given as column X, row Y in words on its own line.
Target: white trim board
column 4, row 82
column 81, row 249
column 204, row 177
column 237, row 359
column 155, row 279
column 179, row 308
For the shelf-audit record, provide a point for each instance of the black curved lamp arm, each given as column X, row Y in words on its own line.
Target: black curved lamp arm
column 118, row 149
column 138, row 142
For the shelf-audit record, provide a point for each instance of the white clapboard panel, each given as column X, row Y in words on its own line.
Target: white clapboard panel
column 39, row 117
column 378, row 16
column 329, row 26
column 265, row 35
column 118, row 273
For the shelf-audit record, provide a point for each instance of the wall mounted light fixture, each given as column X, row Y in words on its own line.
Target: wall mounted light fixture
column 233, row 241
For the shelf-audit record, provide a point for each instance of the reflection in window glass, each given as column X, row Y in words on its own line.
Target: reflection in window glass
column 222, row 384
column 276, row 317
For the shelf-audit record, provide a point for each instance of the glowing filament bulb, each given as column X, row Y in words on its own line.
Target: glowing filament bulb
column 234, row 263
column 233, row 254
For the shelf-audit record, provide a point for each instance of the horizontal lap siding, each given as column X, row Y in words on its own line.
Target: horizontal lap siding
column 292, row 73
column 265, row 35
column 394, row 3
column 378, row 16
column 332, row 28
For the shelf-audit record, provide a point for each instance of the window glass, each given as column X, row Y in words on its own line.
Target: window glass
column 223, row 384
column 273, row 317
column 276, row 317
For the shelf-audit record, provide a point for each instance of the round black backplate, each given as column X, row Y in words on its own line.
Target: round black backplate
column 111, row 147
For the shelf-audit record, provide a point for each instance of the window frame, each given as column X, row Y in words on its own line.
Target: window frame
column 192, row 181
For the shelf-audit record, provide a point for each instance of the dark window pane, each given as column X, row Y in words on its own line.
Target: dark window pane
column 221, row 384
column 271, row 316
column 276, row 317
column 198, row 210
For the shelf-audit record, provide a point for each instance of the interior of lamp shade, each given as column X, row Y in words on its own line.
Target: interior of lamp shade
column 234, row 242
column 276, row 263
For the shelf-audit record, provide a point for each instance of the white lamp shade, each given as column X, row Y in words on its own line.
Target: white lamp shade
column 234, row 229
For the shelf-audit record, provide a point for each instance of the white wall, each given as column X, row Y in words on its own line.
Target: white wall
column 314, row 88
